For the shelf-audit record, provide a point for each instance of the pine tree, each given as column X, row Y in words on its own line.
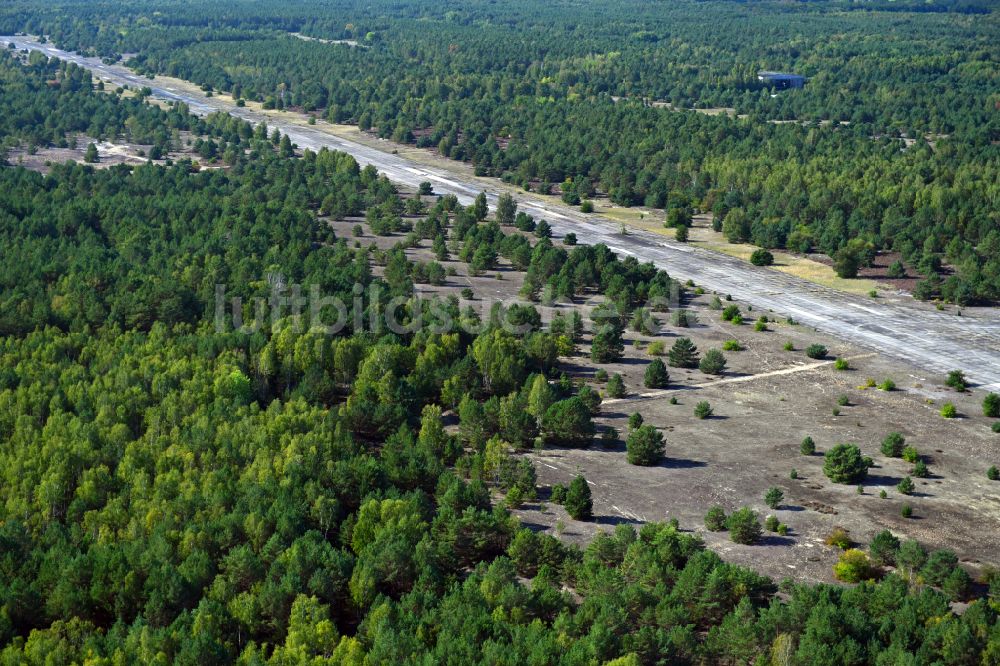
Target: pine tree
column 607, row 346
column 579, row 504
column 683, row 354
column 616, row 387
column 893, row 445
column 506, row 209
column 744, row 526
column 480, row 209
column 713, row 363
column 440, row 248
column 656, row 376
column 645, row 446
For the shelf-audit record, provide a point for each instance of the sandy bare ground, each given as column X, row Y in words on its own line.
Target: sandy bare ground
column 768, row 400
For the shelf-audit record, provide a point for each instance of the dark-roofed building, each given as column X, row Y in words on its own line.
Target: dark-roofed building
column 780, row 80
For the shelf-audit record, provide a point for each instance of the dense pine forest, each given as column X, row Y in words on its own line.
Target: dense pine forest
column 173, row 492
column 892, row 145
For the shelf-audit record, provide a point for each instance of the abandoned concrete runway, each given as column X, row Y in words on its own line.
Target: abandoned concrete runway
column 933, row 340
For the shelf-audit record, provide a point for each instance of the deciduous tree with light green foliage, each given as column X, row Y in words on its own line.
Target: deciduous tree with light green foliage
column 853, row 566
column 500, row 357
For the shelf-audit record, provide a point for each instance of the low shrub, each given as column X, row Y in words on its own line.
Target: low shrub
column 703, row 410
column 816, row 351
column 853, row 567
column 761, row 257
column 715, row 519
column 906, row 486
column 839, row 538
